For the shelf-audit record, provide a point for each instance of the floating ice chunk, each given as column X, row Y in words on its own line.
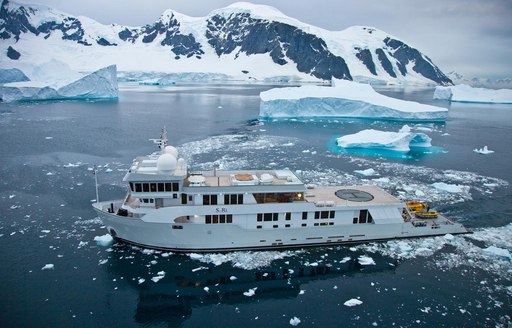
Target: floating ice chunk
column 366, row 173
column 233, row 278
column 250, row 292
column 141, row 280
column 451, row 188
column 105, row 240
column 467, row 94
column 483, row 151
column 159, row 276
column 397, row 141
column 353, row 302
column 382, row 180
column 48, row 267
column 294, row 321
column 365, row 260
column 206, row 289
column 345, row 259
column 199, row 268
column 498, row 252
column 343, row 99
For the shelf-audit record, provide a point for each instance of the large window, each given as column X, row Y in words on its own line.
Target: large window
column 234, row 199
column 222, row 218
column 209, row 199
column 155, row 186
column 364, row 217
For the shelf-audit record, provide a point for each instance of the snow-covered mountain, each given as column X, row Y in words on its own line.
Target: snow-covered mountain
column 457, row 78
column 242, row 41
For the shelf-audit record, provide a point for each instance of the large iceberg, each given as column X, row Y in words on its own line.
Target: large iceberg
column 343, row 99
column 54, row 80
column 465, row 93
column 396, row 141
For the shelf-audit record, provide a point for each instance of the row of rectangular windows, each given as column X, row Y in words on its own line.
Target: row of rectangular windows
column 324, row 214
column 222, row 218
column 275, row 226
column 154, row 186
column 228, row 199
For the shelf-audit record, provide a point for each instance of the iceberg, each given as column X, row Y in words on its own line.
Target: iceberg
column 8, row 75
column 397, row 141
column 468, row 94
column 46, row 84
column 343, row 99
column 483, row 151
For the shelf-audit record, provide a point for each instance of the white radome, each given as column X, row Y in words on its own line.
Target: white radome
column 166, row 162
column 171, row 150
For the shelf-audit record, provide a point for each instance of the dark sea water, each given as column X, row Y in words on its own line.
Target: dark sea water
column 48, row 150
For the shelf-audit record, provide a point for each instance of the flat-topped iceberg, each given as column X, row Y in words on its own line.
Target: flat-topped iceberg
column 54, row 80
column 465, row 93
column 343, row 99
column 401, row 141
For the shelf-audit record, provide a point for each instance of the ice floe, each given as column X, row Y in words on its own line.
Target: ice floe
column 366, row 173
column 452, row 188
column 397, row 141
column 483, row 151
column 105, row 240
column 343, row 99
column 466, row 93
column 250, row 292
column 294, row 321
column 353, row 302
column 496, row 251
column 365, row 260
column 244, row 260
column 48, row 267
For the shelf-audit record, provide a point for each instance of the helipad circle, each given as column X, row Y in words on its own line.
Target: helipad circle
column 354, row 195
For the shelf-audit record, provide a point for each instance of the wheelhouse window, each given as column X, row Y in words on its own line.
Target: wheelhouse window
column 234, row 199
column 209, row 199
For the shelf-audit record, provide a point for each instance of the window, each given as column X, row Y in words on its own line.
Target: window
column 260, row 217
column 161, row 187
column 168, row 186
column 138, row 187
column 175, row 196
column 208, row 219
column 229, row 218
column 131, row 186
column 304, row 215
column 275, row 216
column 304, row 224
column 354, row 221
column 184, row 199
column 287, row 225
column 332, row 214
column 364, row 217
column 234, row 199
column 258, row 227
column 209, row 199
column 267, row 217
column 214, row 219
column 317, row 215
column 325, row 214
column 153, row 187
column 175, row 186
column 275, row 226
column 287, row 216
column 145, row 187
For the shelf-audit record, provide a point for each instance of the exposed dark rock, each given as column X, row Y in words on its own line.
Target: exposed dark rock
column 385, row 63
column 365, row 56
column 104, row 42
column 13, row 54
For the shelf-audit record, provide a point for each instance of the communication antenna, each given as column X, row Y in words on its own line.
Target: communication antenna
column 162, row 142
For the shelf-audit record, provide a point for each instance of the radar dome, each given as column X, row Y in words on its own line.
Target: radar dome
column 166, row 162
column 171, row 150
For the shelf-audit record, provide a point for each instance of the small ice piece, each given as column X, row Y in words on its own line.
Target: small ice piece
column 345, row 259
column 302, row 291
column 365, row 260
column 353, row 302
column 294, row 321
column 207, row 289
column 375, row 139
column 449, row 236
column 199, row 268
column 157, row 278
column 105, row 240
column 12, row 196
column 250, row 292
column 382, row 180
column 48, row 267
column 232, row 278
column 451, row 188
column 48, row 138
column 141, row 280
column 498, row 252
column 366, row 173
column 483, row 151
column 45, row 231
column 101, row 262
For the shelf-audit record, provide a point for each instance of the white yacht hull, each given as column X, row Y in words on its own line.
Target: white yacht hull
column 159, row 230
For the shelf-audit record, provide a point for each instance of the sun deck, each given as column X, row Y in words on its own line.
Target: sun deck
column 216, row 178
column 349, row 196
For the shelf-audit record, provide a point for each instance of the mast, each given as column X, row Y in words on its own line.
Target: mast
column 163, row 141
column 96, row 183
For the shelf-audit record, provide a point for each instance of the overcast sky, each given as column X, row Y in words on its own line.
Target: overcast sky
column 472, row 37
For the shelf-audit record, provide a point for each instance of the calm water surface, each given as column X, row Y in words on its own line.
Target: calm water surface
column 48, row 150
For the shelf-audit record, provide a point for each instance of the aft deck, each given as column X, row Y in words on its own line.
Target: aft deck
column 357, row 195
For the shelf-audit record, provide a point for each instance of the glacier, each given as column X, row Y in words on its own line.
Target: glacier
column 397, row 141
column 343, row 99
column 467, row 94
column 54, row 80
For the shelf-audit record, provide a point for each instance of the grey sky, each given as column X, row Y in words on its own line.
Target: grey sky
column 472, row 37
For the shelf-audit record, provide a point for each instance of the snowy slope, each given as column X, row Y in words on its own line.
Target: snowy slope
column 243, row 41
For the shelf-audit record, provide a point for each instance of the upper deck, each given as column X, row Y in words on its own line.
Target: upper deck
column 349, row 196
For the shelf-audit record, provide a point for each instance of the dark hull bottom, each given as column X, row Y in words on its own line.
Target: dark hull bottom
column 276, row 247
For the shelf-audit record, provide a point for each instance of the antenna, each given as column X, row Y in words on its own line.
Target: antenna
column 163, row 141
column 96, row 183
